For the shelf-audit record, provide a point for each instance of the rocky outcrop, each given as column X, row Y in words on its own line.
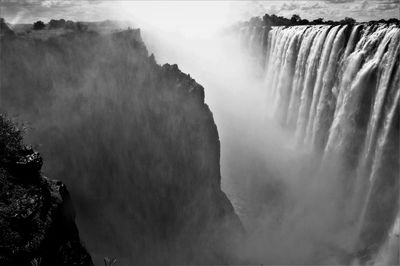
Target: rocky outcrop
column 134, row 142
column 5, row 29
column 37, row 219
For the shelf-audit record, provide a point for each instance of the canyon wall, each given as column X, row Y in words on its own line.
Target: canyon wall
column 133, row 141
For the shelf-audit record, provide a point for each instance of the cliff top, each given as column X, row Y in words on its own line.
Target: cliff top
column 295, row 20
column 56, row 27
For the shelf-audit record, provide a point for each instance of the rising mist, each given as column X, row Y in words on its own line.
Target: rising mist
column 108, row 110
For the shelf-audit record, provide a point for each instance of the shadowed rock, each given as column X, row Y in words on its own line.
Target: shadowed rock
column 37, row 219
column 134, row 141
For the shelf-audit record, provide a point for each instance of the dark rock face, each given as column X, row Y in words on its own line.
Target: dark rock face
column 5, row 29
column 134, row 142
column 37, row 219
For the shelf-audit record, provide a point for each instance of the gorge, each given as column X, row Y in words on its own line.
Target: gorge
column 279, row 146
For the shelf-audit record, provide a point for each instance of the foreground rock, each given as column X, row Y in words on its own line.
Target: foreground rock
column 37, row 219
column 134, row 142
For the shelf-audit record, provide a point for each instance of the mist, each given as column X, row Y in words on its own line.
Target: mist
column 288, row 205
column 137, row 145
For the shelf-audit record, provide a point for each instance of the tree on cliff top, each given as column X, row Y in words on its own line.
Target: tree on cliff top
column 295, row 19
column 57, row 24
column 274, row 20
column 39, row 25
column 348, row 20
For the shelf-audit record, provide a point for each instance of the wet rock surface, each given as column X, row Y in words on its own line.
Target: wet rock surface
column 134, row 142
column 37, row 219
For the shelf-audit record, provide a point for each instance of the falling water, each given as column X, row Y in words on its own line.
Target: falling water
column 336, row 88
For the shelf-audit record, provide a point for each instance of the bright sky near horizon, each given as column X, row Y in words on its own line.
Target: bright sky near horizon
column 194, row 14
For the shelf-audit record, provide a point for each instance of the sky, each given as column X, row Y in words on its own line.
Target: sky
column 194, row 13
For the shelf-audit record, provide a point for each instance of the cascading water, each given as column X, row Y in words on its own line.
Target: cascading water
column 337, row 89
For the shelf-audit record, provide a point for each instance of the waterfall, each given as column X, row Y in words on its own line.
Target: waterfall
column 337, row 89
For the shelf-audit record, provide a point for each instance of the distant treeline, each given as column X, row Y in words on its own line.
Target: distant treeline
column 60, row 24
column 274, row 20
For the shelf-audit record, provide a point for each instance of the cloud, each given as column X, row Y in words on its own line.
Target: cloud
column 314, row 6
column 289, row 6
column 389, row 1
column 339, row 1
column 387, row 6
column 28, row 11
column 364, row 4
column 20, row 4
column 56, row 3
column 248, row 9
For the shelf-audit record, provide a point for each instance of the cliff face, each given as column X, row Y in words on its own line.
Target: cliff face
column 37, row 219
column 134, row 142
